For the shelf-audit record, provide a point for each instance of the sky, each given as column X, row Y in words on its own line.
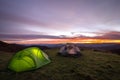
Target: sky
column 59, row 21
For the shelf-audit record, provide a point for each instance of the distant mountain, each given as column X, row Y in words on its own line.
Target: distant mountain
column 105, row 47
column 39, row 46
column 113, row 48
column 16, row 47
column 48, row 45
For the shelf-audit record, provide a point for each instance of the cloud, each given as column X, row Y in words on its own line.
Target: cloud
column 110, row 35
column 49, row 16
column 20, row 19
column 97, row 35
column 26, row 37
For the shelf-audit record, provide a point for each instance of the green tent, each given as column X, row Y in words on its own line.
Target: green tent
column 28, row 59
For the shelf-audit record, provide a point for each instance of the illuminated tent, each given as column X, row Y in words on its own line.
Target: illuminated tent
column 28, row 59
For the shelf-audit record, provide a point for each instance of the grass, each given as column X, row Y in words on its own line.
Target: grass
column 91, row 66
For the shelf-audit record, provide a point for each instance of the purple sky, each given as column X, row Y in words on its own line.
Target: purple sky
column 59, row 18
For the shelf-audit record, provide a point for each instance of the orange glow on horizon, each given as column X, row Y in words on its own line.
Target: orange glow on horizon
column 59, row 41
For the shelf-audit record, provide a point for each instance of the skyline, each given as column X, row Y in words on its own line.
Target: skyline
column 48, row 21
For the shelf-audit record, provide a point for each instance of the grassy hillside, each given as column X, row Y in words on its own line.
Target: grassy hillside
column 91, row 66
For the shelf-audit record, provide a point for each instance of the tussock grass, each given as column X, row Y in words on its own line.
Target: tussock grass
column 91, row 66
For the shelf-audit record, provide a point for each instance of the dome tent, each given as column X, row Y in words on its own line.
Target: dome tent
column 28, row 59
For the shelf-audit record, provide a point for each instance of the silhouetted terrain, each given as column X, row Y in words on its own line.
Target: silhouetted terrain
column 105, row 47
column 16, row 47
column 10, row 47
column 92, row 65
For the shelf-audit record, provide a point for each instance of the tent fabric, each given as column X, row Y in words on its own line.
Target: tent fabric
column 28, row 59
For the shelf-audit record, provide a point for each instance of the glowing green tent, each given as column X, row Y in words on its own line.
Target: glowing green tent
column 28, row 59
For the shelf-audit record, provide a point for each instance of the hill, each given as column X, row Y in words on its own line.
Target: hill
column 92, row 65
column 16, row 47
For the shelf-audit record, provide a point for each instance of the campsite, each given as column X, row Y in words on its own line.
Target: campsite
column 93, row 65
column 59, row 39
